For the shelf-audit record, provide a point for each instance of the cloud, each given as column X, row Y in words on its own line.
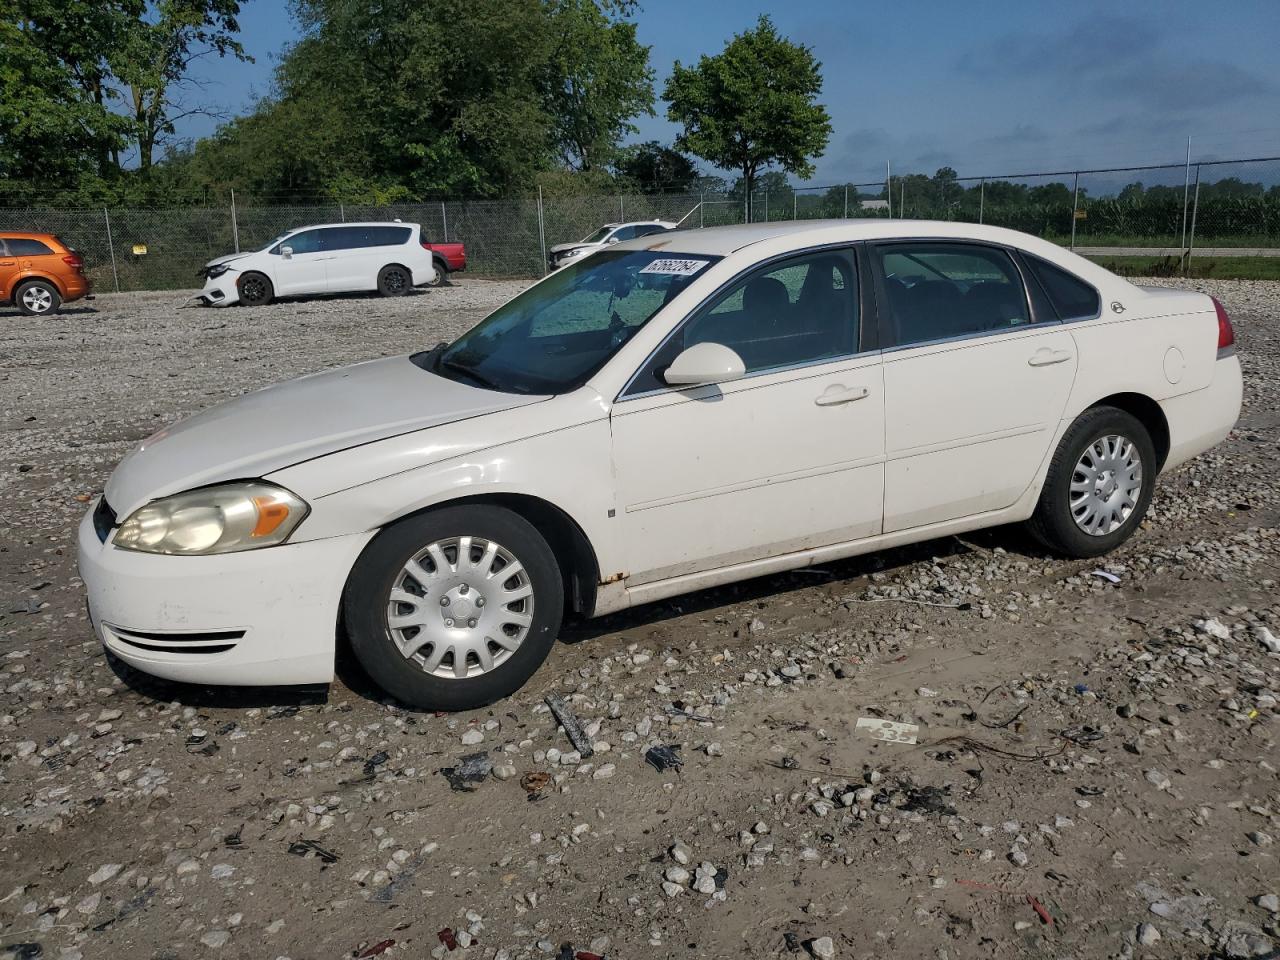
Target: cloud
column 1114, row 59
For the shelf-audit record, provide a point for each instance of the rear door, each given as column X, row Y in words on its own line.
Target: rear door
column 976, row 376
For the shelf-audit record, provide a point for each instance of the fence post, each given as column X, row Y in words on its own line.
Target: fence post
column 888, row 189
column 111, row 247
column 1186, row 190
column 342, row 212
column 701, row 201
column 766, row 206
column 846, row 201
column 982, row 199
column 746, row 206
column 795, row 205
column 235, row 228
column 444, row 223
column 622, row 210
column 1075, row 203
column 1195, row 208
column 542, row 232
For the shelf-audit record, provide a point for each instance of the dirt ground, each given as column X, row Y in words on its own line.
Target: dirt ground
column 1095, row 773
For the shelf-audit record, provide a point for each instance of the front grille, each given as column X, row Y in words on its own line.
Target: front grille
column 104, row 519
column 216, row 641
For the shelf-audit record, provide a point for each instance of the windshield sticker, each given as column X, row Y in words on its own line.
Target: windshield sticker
column 675, row 268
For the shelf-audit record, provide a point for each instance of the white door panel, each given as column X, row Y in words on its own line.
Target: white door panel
column 967, row 424
column 301, row 273
column 757, row 467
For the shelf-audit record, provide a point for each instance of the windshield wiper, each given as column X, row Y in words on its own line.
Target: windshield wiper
column 478, row 378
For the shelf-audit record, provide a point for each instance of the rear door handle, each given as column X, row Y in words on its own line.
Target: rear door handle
column 839, row 393
column 1045, row 357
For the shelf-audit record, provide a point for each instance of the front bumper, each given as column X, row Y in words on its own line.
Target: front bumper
column 256, row 618
column 220, row 291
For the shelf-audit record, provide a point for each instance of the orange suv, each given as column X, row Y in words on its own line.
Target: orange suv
column 39, row 273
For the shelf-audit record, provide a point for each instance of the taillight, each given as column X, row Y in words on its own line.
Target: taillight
column 1226, row 333
column 73, row 260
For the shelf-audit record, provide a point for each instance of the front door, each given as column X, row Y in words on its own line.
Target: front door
column 789, row 457
column 303, row 271
column 975, row 380
column 8, row 271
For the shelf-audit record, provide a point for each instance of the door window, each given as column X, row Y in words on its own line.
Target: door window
column 940, row 291
column 308, row 241
column 803, row 310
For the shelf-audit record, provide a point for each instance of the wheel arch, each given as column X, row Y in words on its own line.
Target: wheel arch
column 1149, row 413
column 26, row 278
column 574, row 553
column 440, row 263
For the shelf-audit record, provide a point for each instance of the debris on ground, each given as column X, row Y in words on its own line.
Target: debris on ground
column 664, row 757
column 572, row 726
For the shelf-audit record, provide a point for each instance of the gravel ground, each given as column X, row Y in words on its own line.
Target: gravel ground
column 1095, row 773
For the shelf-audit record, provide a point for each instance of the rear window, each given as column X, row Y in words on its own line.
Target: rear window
column 351, row 238
column 1071, row 297
column 22, row 247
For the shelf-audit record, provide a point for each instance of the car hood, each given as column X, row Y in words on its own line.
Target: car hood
column 285, row 424
column 562, row 247
column 227, row 259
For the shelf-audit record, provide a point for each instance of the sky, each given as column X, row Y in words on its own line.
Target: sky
column 988, row 87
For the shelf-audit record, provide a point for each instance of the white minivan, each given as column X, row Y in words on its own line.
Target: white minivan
column 326, row 258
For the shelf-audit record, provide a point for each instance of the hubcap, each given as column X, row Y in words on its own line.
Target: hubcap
column 37, row 299
column 1106, row 485
column 460, row 607
column 252, row 289
column 395, row 280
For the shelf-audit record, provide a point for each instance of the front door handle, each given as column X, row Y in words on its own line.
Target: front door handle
column 839, row 393
column 8, row 263
column 1045, row 357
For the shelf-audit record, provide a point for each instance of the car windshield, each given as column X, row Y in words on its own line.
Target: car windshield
column 553, row 337
column 598, row 236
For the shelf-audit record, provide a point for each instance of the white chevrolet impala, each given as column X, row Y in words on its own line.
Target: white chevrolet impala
column 672, row 413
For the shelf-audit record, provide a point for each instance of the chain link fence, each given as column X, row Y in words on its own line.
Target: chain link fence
column 1164, row 210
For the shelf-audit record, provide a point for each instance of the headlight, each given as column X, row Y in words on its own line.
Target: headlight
column 221, row 519
column 216, row 271
column 570, row 254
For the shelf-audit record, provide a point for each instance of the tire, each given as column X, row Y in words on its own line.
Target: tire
column 37, row 298
column 255, row 289
column 394, row 280
column 441, row 275
column 1091, row 520
column 439, row 647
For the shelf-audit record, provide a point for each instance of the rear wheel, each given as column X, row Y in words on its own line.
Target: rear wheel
column 441, row 276
column 394, row 281
column 36, row 298
column 1098, row 486
column 255, row 289
column 455, row 608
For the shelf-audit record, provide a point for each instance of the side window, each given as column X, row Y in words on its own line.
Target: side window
column 22, row 247
column 1072, row 298
column 649, row 228
column 343, row 238
column 388, row 236
column 308, row 241
column 623, row 233
column 803, row 310
column 938, row 291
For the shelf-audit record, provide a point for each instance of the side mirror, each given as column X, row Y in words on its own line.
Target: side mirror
column 705, row 363
column 612, row 239
column 286, row 252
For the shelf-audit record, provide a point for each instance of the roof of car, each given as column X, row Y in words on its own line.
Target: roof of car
column 722, row 241
column 27, row 235
column 355, row 223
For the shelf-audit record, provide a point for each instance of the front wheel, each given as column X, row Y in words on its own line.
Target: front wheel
column 394, row 281
column 1098, row 486
column 455, row 608
column 255, row 290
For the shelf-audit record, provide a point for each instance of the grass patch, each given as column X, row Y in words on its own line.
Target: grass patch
column 1218, row 268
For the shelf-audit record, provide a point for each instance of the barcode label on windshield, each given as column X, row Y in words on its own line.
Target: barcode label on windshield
column 676, row 268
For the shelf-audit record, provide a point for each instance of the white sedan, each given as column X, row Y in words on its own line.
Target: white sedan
column 389, row 258
column 563, row 254
column 670, row 414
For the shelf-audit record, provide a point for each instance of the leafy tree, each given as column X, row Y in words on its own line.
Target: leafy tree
column 153, row 64
column 596, row 78
column 752, row 106
column 655, row 168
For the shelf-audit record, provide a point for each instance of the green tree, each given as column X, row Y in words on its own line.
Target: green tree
column 595, row 80
column 654, row 168
column 152, row 64
column 752, row 106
